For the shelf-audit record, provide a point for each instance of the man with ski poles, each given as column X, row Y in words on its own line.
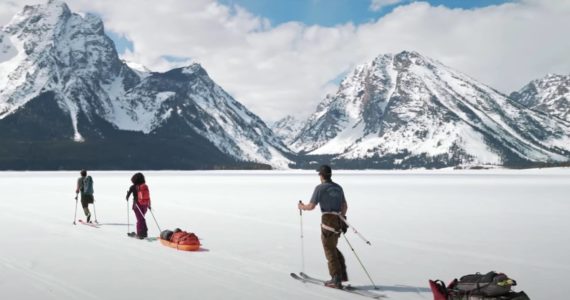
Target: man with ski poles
column 330, row 197
column 85, row 188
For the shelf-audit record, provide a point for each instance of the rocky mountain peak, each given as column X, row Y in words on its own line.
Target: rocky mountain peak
column 195, row 69
column 40, row 17
column 405, row 59
column 550, row 94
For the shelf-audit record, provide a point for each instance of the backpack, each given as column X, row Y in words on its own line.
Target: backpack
column 181, row 237
column 438, row 289
column 87, row 186
column 143, row 194
column 491, row 286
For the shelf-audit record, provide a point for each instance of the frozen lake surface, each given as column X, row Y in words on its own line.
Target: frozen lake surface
column 422, row 225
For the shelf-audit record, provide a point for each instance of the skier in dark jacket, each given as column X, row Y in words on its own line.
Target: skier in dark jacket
column 140, row 206
column 330, row 197
column 85, row 187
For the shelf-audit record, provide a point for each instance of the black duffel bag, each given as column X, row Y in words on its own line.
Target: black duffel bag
column 489, row 285
column 166, row 234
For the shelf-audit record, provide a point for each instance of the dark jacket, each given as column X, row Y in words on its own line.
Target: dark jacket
column 133, row 190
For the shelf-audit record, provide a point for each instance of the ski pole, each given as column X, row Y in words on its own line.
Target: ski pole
column 302, row 241
column 137, row 205
column 361, row 264
column 128, row 221
column 95, row 212
column 75, row 217
column 152, row 214
column 355, row 231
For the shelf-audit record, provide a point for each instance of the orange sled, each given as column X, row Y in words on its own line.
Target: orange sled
column 182, row 240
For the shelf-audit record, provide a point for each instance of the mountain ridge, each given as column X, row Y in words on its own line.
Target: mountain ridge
column 550, row 94
column 409, row 111
column 66, row 58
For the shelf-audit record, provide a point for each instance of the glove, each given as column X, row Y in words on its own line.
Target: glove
column 343, row 225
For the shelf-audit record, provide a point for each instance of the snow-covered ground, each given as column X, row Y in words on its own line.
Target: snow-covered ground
column 422, row 225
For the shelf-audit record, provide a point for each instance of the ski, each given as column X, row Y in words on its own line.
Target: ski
column 347, row 288
column 148, row 239
column 94, row 225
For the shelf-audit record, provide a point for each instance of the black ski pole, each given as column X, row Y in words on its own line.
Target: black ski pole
column 361, row 264
column 75, row 217
column 302, row 241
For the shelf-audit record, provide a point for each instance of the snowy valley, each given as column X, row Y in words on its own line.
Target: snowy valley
column 421, row 224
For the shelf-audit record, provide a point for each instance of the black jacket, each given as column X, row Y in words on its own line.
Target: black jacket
column 133, row 190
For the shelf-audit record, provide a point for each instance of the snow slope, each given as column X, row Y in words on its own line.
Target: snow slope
column 421, row 224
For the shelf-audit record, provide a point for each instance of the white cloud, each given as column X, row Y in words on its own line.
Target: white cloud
column 377, row 5
column 7, row 10
column 286, row 69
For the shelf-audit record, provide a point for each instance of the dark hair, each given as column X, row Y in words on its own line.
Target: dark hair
column 325, row 171
column 83, row 172
column 138, row 178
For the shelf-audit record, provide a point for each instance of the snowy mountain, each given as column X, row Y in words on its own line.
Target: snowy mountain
column 61, row 80
column 407, row 110
column 287, row 129
column 550, row 94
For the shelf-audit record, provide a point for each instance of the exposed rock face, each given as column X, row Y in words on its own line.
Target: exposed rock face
column 550, row 95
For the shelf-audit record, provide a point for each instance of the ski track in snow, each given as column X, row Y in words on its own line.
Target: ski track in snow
column 249, row 228
column 45, row 283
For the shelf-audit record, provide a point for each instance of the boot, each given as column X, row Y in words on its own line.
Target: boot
column 335, row 282
column 89, row 218
column 344, row 276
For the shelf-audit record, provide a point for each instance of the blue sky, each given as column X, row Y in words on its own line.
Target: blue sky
column 121, row 43
column 333, row 12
